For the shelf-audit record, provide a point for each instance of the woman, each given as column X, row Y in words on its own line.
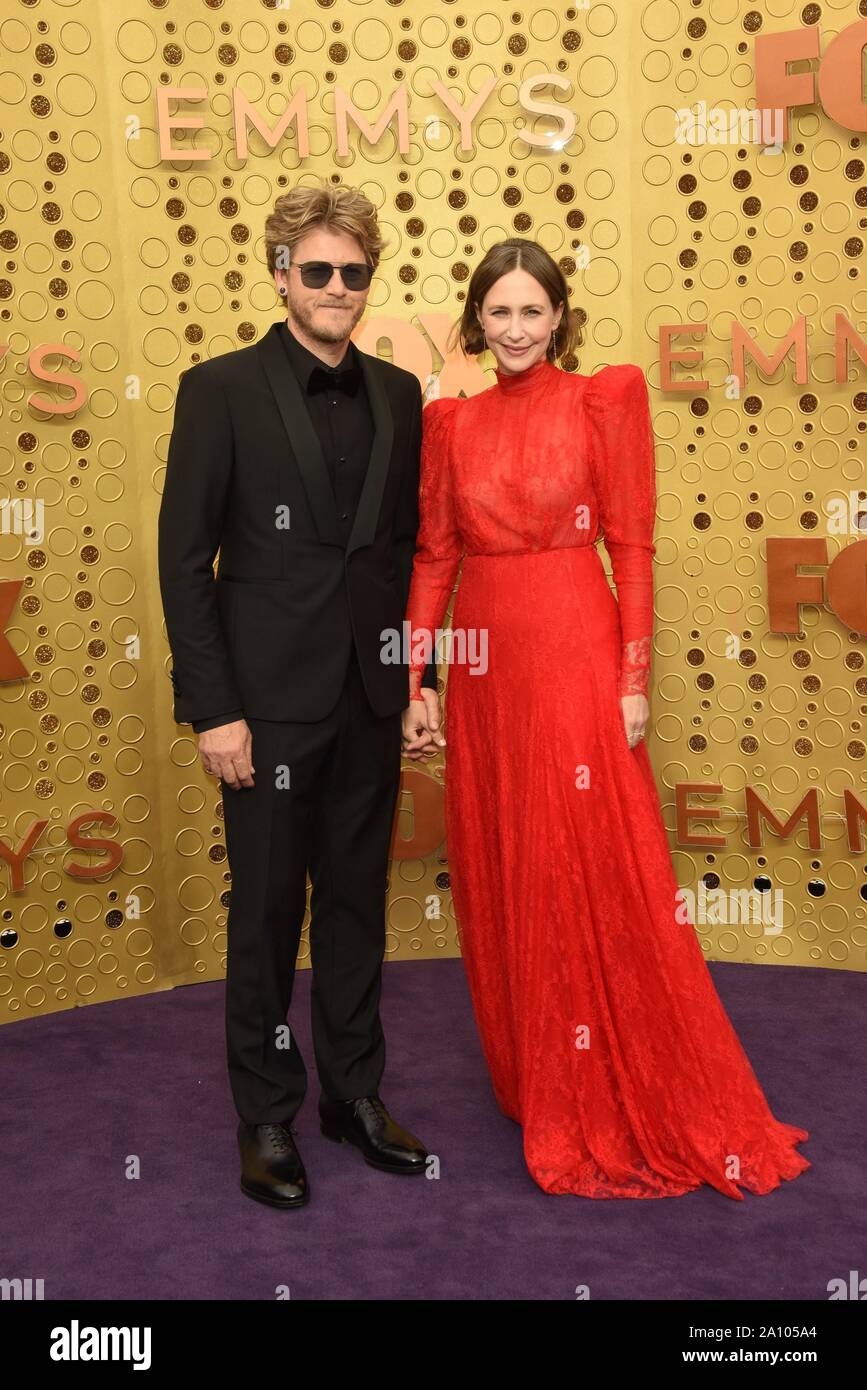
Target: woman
column 604, row 1034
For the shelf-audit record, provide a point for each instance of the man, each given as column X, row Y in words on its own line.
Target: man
column 298, row 458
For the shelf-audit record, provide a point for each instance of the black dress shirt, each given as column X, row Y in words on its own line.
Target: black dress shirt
column 344, row 423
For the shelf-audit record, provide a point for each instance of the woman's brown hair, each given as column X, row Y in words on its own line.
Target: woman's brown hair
column 513, row 254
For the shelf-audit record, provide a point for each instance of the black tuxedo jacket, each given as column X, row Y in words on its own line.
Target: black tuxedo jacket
column 271, row 633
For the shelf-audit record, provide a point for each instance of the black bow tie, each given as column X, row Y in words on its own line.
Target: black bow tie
column 346, row 380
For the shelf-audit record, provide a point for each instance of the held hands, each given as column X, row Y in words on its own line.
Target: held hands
column 227, row 752
column 422, row 720
column 635, row 715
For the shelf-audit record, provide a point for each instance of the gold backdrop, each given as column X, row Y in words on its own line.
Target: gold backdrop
column 139, row 266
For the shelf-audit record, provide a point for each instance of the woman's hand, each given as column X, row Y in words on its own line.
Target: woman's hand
column 421, row 726
column 636, row 712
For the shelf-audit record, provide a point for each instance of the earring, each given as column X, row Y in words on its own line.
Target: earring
column 282, row 290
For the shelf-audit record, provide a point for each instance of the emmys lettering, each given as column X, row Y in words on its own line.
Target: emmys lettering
column 15, row 856
column 244, row 114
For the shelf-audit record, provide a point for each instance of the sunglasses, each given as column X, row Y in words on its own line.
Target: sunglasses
column 316, row 274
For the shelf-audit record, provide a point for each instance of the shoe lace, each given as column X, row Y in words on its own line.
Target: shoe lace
column 374, row 1105
column 279, row 1136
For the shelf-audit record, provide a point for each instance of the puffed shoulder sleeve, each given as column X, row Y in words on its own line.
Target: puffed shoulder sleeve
column 620, row 441
column 438, row 545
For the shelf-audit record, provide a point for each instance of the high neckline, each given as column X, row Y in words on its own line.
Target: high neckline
column 516, row 383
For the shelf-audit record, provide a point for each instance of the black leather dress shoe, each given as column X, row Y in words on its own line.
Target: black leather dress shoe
column 366, row 1123
column 271, row 1167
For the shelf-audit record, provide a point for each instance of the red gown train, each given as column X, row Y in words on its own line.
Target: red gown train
column 600, row 1023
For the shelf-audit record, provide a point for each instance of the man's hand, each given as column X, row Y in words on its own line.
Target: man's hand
column 227, row 752
column 635, row 715
column 422, row 719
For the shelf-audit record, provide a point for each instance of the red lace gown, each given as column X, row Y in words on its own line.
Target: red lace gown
column 600, row 1023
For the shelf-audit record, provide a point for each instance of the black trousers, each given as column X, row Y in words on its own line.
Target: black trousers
column 324, row 800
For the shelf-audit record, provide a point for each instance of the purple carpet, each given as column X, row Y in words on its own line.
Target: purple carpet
column 85, row 1089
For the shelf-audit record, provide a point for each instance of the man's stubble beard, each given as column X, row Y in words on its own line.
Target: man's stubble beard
column 321, row 335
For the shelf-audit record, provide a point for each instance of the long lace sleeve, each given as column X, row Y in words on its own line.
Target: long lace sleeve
column 438, row 545
column 624, row 469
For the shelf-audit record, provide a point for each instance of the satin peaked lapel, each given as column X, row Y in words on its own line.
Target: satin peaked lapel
column 370, row 501
column 302, row 436
column 308, row 451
